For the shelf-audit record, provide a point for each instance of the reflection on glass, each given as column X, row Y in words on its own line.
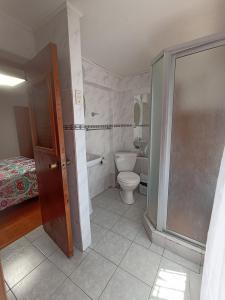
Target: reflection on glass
column 197, row 141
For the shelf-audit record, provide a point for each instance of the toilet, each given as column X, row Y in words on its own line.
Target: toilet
column 128, row 180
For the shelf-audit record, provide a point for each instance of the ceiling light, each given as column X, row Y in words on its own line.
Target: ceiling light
column 6, row 80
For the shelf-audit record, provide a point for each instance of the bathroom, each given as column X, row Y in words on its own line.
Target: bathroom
column 124, row 116
column 143, row 131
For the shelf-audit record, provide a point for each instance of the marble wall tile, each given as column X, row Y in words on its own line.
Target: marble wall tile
column 140, row 82
column 97, row 100
column 100, row 91
column 123, row 108
column 112, row 97
column 100, row 76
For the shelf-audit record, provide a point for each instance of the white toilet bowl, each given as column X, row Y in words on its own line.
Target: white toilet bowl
column 128, row 182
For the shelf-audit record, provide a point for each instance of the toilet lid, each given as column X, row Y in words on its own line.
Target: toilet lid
column 129, row 177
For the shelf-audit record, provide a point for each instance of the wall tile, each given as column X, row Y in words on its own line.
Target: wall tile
column 112, row 98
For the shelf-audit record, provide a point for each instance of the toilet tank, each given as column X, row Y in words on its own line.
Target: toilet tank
column 125, row 161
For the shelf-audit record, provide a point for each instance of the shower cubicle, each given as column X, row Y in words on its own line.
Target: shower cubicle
column 187, row 141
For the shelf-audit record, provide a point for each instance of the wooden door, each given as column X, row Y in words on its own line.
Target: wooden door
column 23, row 131
column 48, row 144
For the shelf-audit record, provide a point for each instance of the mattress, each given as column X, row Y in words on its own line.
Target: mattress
column 18, row 181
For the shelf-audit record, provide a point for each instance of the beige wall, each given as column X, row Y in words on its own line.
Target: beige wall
column 8, row 135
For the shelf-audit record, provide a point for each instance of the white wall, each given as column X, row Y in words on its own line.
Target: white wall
column 9, row 146
column 16, row 38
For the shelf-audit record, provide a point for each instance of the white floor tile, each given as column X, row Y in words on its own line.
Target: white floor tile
column 10, row 296
column 101, row 200
column 182, row 261
column 140, row 200
column 14, row 247
column 93, row 274
column 142, row 238
column 40, row 283
column 172, row 282
column 135, row 214
column 45, row 244
column 127, row 228
column 142, row 263
column 125, row 287
column 118, row 206
column 34, row 234
column 65, row 264
column 97, row 233
column 157, row 249
column 21, row 263
column 111, row 201
column 68, row 291
column 104, row 218
column 113, row 247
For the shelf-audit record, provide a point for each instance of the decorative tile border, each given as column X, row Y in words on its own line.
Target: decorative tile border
column 100, row 127
column 74, row 127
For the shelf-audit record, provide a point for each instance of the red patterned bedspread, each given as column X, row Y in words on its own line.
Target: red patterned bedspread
column 18, row 181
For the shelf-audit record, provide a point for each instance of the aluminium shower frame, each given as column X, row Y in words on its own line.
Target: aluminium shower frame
column 169, row 57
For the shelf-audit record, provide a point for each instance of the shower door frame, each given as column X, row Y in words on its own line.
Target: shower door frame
column 169, row 67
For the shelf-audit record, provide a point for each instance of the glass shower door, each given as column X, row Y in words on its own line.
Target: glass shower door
column 197, row 142
column 155, row 139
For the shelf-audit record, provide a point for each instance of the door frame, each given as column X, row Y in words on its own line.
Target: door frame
column 169, row 66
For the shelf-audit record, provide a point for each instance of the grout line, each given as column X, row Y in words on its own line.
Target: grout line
column 45, row 259
column 110, row 229
column 80, row 289
column 117, row 266
column 156, row 276
column 108, row 281
column 12, row 293
column 28, row 273
column 133, row 274
column 123, row 216
column 68, row 276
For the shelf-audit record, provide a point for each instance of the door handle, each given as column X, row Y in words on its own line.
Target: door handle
column 53, row 166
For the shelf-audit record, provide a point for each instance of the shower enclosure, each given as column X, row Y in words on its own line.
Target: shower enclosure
column 187, row 138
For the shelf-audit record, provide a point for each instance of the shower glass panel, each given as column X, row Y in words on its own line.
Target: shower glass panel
column 197, row 142
column 156, row 116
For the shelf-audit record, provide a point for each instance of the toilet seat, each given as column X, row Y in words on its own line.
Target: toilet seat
column 130, row 178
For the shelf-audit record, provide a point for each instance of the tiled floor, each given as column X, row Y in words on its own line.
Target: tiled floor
column 121, row 263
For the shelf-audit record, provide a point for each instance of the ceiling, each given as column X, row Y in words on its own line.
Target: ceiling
column 125, row 35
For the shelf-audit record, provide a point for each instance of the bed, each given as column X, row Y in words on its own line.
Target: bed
column 18, row 181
